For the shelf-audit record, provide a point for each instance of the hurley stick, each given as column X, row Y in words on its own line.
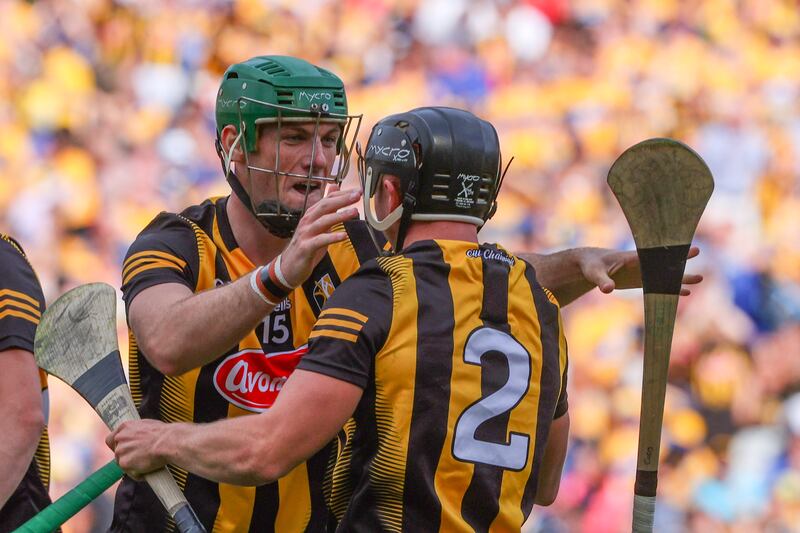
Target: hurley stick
column 663, row 187
column 70, row 503
column 76, row 341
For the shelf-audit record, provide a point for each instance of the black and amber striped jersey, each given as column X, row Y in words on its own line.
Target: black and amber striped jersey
column 197, row 248
column 21, row 307
column 462, row 359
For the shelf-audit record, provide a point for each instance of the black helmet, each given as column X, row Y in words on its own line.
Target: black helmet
column 448, row 161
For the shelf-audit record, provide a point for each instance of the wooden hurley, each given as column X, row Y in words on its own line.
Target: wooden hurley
column 76, row 341
column 663, row 187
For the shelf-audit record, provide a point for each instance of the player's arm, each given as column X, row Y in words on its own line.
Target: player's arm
column 555, row 453
column 248, row 450
column 314, row 403
column 21, row 414
column 179, row 330
column 570, row 274
column 21, row 417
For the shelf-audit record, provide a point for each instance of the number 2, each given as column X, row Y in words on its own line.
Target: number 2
column 512, row 455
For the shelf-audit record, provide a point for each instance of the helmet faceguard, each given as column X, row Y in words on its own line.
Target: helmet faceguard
column 448, row 162
column 278, row 91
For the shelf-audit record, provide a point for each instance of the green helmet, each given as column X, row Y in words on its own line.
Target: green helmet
column 266, row 88
column 279, row 89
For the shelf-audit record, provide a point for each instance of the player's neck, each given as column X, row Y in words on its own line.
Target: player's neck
column 257, row 243
column 446, row 230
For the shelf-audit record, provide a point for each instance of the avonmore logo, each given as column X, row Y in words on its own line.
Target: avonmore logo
column 251, row 379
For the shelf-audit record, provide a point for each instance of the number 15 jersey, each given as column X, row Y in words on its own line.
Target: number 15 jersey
column 462, row 359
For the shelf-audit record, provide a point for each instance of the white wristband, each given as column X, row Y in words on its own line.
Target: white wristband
column 254, row 286
column 279, row 273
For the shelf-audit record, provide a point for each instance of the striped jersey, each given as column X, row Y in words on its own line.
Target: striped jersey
column 21, row 307
column 462, row 359
column 197, row 248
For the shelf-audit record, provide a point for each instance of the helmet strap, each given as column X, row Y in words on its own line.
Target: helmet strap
column 409, row 202
column 281, row 226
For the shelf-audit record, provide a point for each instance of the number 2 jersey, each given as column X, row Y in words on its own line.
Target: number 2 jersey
column 197, row 248
column 21, row 307
column 462, row 359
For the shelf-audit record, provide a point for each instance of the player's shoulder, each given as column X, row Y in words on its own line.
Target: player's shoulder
column 187, row 221
column 10, row 247
column 359, row 245
column 17, row 276
column 369, row 285
column 177, row 231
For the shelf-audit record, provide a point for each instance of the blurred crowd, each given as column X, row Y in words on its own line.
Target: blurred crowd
column 106, row 118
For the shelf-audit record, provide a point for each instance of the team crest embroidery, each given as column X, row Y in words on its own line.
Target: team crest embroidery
column 323, row 289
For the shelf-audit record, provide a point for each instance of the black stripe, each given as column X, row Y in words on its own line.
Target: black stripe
column 482, row 499
column 15, row 300
column 355, row 329
column 105, row 376
column 356, row 321
column 362, row 512
column 317, row 467
column 224, row 225
column 362, row 242
column 646, row 483
column 662, row 268
column 434, row 368
column 549, row 384
column 265, row 509
column 276, row 290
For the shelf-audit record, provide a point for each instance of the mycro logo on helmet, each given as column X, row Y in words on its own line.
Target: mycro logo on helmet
column 395, row 154
column 305, row 95
column 464, row 197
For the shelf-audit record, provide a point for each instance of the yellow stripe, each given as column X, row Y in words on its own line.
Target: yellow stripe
column 20, row 295
column 334, row 334
column 343, row 255
column 19, row 314
column 206, row 256
column 20, row 305
column 150, row 266
column 395, row 376
column 355, row 326
column 235, row 508
column 344, row 312
column 237, row 262
column 294, row 496
column 147, row 254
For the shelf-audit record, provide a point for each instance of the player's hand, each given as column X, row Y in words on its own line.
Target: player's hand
column 611, row 269
column 313, row 235
column 135, row 445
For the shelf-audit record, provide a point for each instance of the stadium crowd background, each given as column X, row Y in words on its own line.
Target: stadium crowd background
column 106, row 118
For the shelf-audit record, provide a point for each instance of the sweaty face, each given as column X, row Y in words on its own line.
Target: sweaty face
column 290, row 162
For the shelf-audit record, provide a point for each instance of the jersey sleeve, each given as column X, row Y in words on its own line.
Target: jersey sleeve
column 351, row 328
column 164, row 252
column 562, row 405
column 21, row 298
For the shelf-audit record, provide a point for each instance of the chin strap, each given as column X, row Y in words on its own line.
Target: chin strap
column 266, row 213
column 409, row 202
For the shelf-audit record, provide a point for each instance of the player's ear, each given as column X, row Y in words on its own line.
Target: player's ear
column 229, row 136
column 391, row 188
